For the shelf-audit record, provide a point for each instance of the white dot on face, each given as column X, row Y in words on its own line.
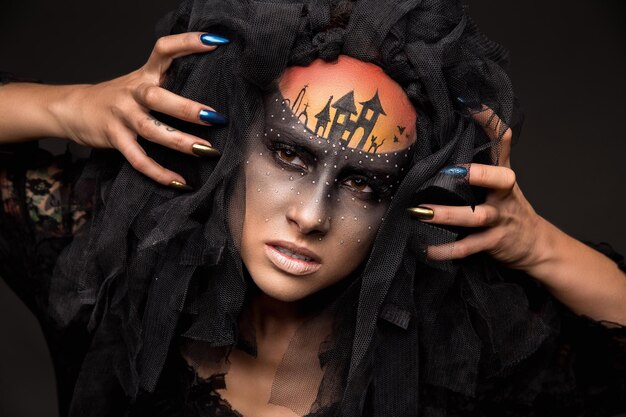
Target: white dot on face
column 356, row 218
column 345, row 157
column 319, row 220
column 341, row 242
column 360, row 162
column 364, row 207
column 320, row 239
column 258, row 190
column 312, row 182
column 298, row 192
column 353, row 199
column 378, row 156
column 267, row 220
column 247, row 162
column 358, row 240
column 369, row 227
column 343, row 218
column 328, row 196
column 260, row 153
column 317, row 201
column 290, row 178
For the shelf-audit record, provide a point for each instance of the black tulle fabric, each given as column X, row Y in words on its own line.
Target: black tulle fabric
column 410, row 336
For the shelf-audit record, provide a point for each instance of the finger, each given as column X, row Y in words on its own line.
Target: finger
column 126, row 143
column 171, row 47
column 153, row 130
column 496, row 130
column 493, row 177
column 164, row 101
column 482, row 216
column 461, row 249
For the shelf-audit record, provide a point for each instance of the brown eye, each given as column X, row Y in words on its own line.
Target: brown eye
column 359, row 184
column 289, row 156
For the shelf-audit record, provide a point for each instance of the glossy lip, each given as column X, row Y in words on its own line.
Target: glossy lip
column 292, row 265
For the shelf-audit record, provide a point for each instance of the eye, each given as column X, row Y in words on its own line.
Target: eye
column 290, row 157
column 360, row 185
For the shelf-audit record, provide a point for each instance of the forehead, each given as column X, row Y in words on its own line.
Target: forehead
column 352, row 103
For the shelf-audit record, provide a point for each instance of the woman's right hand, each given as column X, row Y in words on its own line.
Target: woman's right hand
column 112, row 114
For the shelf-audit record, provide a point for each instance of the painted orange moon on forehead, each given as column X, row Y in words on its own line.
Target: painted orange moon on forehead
column 350, row 101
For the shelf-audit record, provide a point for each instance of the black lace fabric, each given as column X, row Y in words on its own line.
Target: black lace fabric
column 130, row 271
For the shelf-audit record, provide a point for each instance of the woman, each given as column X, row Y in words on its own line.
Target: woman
column 137, row 280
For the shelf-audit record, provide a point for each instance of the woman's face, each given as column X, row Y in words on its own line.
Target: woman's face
column 320, row 177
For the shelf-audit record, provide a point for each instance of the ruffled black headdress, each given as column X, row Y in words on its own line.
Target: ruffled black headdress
column 155, row 265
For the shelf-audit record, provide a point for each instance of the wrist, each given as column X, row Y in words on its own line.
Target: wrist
column 61, row 108
column 547, row 255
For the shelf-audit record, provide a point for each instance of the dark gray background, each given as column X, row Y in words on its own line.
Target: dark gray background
column 568, row 69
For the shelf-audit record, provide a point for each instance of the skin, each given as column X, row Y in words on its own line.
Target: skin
column 110, row 114
column 322, row 195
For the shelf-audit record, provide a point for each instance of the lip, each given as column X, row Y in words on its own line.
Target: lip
column 292, row 265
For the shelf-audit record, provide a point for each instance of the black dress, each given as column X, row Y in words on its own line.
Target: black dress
column 580, row 373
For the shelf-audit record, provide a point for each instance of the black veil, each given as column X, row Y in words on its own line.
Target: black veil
column 155, row 265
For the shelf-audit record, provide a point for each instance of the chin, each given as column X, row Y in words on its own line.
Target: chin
column 283, row 287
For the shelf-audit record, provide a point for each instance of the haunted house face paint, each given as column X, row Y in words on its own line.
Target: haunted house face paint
column 336, row 142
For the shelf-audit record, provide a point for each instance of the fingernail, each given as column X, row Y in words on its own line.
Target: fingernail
column 454, row 170
column 212, row 40
column 201, row 149
column 421, row 213
column 469, row 103
column 212, row 117
column 180, row 186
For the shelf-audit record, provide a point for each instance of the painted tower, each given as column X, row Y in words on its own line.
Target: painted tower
column 323, row 118
column 370, row 112
column 344, row 109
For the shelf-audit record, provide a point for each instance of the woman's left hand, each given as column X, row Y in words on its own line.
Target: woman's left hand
column 506, row 224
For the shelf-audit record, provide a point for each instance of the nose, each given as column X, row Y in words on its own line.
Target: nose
column 311, row 213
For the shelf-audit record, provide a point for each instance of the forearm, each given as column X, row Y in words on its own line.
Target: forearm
column 27, row 111
column 583, row 279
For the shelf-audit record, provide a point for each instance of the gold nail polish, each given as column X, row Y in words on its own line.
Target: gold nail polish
column 201, row 149
column 180, row 186
column 421, row 213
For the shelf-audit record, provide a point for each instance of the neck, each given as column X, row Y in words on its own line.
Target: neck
column 273, row 318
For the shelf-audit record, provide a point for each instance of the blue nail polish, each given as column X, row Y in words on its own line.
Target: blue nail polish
column 471, row 104
column 209, row 39
column 212, row 117
column 457, row 171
